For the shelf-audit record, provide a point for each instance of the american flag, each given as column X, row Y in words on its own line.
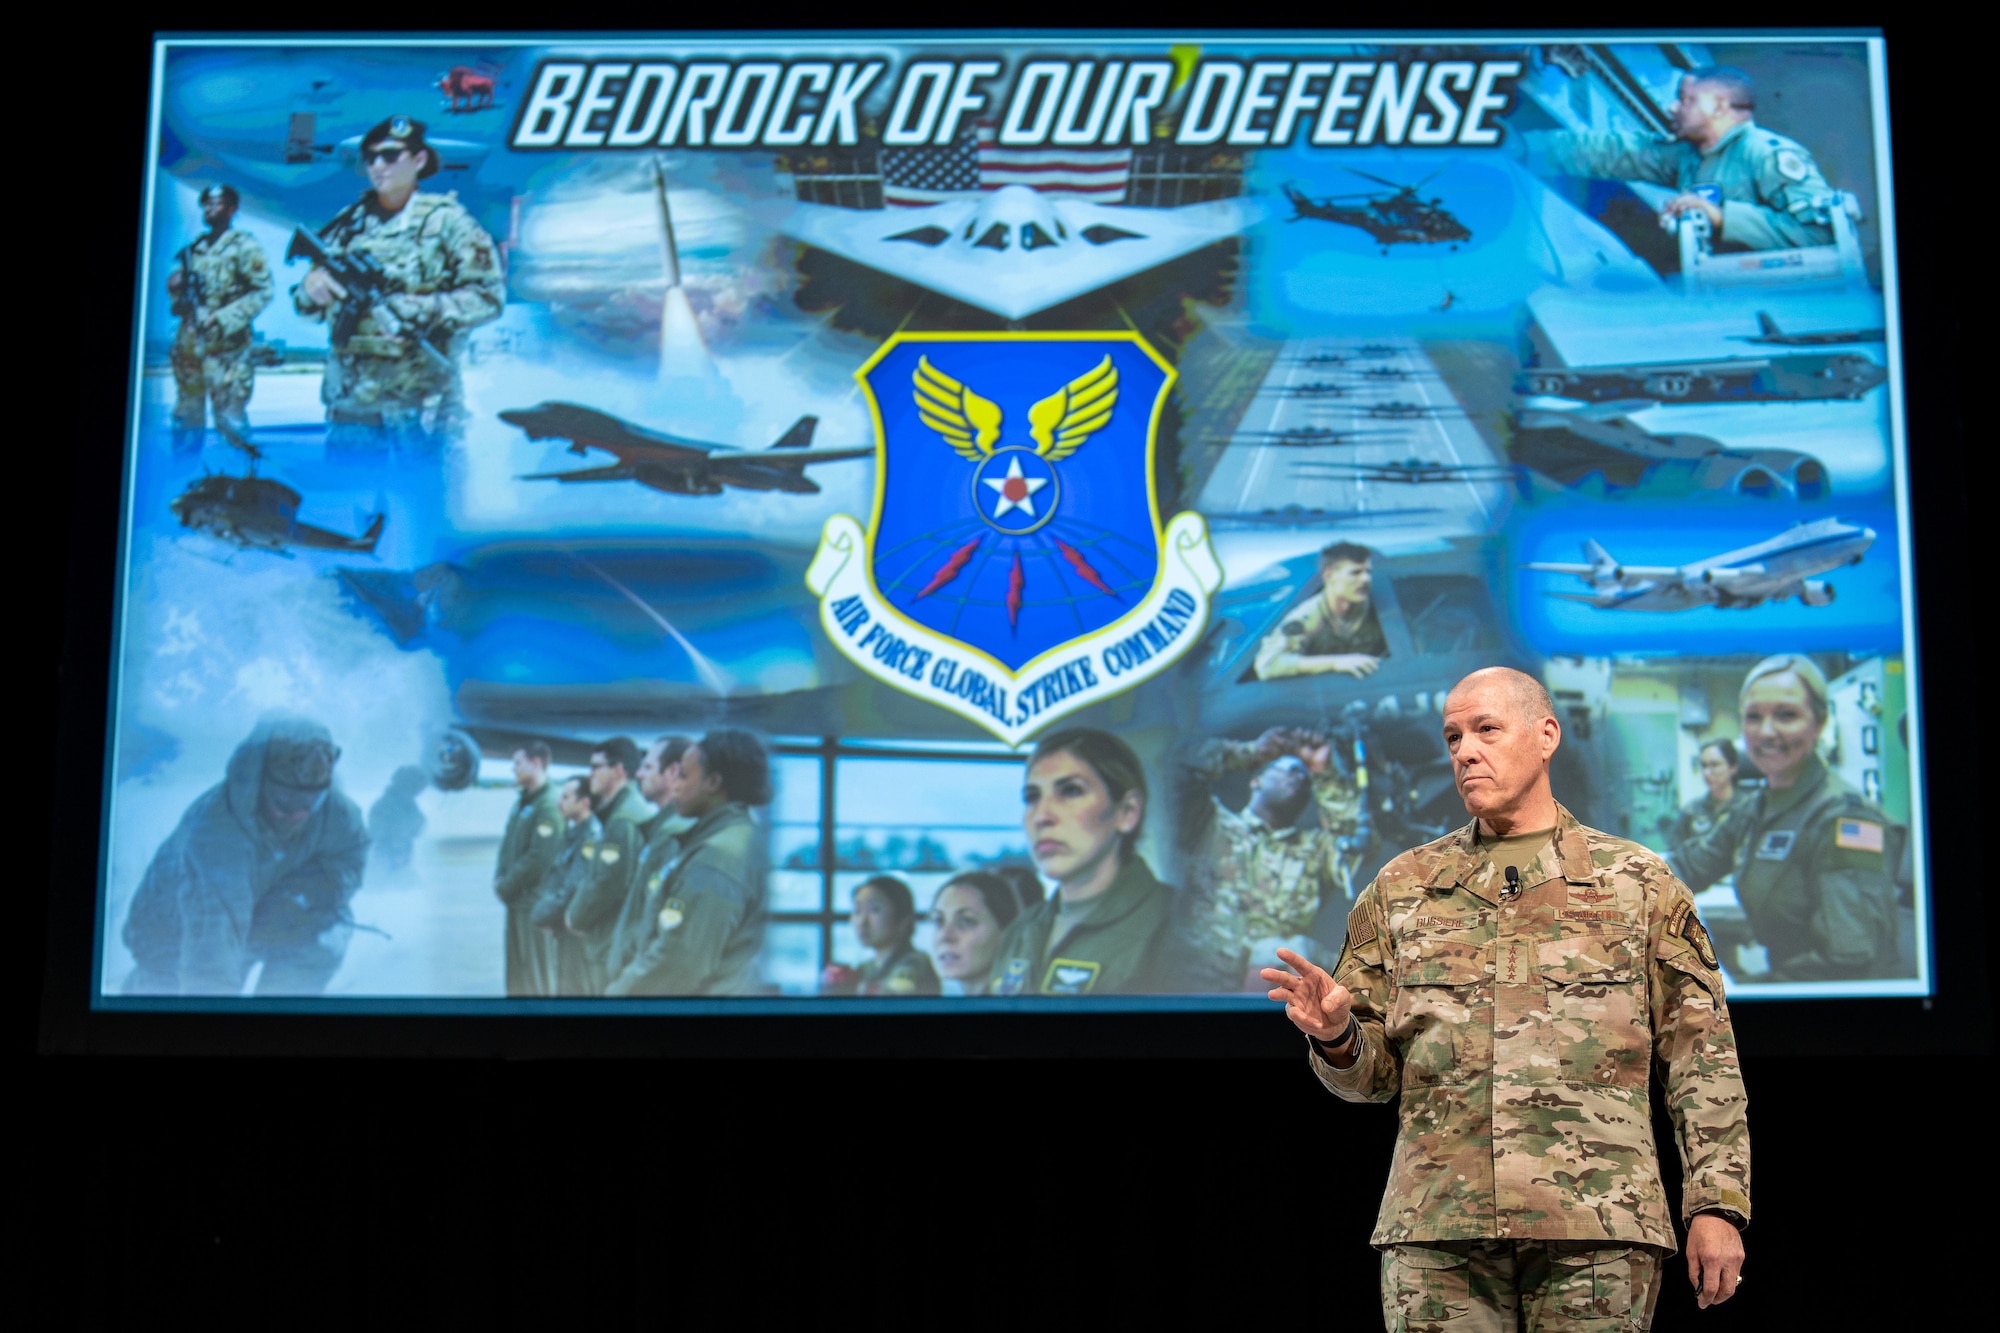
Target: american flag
column 976, row 160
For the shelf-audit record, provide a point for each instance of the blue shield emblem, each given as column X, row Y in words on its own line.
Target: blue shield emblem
column 1014, row 509
column 1016, row 566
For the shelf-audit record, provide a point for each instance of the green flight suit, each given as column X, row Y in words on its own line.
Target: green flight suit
column 575, row 867
column 1815, row 880
column 527, row 849
column 906, row 971
column 1129, row 942
column 1705, row 835
column 662, row 834
column 703, row 921
column 599, row 903
column 1773, row 195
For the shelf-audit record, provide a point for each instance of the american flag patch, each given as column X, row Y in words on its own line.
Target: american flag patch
column 976, row 160
column 1858, row 835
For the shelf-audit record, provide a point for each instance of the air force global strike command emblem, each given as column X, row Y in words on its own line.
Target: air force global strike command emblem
column 1016, row 568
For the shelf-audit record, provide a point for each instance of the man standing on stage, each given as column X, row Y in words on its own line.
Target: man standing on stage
column 1514, row 982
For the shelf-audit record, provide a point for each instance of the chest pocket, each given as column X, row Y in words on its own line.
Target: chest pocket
column 1440, row 988
column 1597, row 1008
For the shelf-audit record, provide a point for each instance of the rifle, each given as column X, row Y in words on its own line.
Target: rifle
column 367, row 294
column 187, row 301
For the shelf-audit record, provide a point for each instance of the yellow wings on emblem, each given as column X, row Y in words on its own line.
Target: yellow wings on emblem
column 1066, row 418
column 969, row 423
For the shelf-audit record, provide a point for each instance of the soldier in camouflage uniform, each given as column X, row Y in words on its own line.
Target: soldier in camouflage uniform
column 394, row 380
column 1773, row 195
column 1515, row 984
column 1338, row 630
column 219, row 284
column 1256, row 879
column 527, row 851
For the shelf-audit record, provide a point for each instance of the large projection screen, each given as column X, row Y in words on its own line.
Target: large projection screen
column 608, row 521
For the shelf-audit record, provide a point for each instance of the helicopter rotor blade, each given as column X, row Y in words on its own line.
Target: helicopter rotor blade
column 1433, row 176
column 1394, row 185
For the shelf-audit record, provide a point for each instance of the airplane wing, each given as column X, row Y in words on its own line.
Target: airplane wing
column 615, row 472
column 1725, row 575
column 799, row 457
column 590, row 428
column 1558, row 567
column 1098, row 244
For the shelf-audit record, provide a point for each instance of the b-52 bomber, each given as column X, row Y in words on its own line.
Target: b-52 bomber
column 1768, row 571
column 1301, row 437
column 257, row 513
column 671, row 463
column 1737, row 379
column 1310, row 389
column 1777, row 337
column 1574, row 444
column 1400, row 410
column 1409, row 471
column 1400, row 217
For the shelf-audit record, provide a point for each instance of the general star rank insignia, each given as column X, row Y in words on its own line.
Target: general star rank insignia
column 1016, row 567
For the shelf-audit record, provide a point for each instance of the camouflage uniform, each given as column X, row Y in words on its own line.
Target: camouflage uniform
column 1773, row 195
column 1312, row 631
column 1813, row 874
column 228, row 286
column 528, row 849
column 1251, row 886
column 445, row 278
column 1521, row 1036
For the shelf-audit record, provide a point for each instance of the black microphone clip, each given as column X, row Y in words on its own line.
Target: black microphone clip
column 1513, row 889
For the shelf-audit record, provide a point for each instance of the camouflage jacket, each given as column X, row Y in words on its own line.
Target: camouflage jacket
column 444, row 277
column 1249, row 883
column 1521, row 1037
column 1311, row 631
column 1773, row 195
column 231, row 287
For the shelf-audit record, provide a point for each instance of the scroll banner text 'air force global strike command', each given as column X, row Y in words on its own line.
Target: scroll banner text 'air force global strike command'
column 993, row 522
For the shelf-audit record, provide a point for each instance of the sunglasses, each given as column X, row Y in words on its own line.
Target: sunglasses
column 383, row 155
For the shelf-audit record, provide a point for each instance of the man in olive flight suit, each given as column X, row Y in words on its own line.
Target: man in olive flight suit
column 1255, row 878
column 1515, row 984
column 393, row 378
column 219, row 283
column 594, row 912
column 702, row 925
column 527, row 850
column 658, row 781
column 1773, row 195
column 574, row 869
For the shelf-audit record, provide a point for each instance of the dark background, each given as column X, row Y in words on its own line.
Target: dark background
column 308, row 1171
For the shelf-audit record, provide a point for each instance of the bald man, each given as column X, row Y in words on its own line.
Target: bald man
column 1516, row 983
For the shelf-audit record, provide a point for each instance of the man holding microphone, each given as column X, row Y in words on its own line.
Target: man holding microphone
column 1515, row 983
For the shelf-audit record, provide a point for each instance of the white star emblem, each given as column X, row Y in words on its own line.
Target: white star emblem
column 1015, row 491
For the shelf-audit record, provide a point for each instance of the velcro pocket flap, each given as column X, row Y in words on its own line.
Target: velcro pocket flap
column 1587, row 960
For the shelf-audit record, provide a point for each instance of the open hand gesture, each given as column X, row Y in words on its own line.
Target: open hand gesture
column 1318, row 1005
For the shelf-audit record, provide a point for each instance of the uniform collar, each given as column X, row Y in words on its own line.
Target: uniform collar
column 731, row 812
column 1812, row 776
column 1570, row 850
column 1129, row 890
column 1722, row 144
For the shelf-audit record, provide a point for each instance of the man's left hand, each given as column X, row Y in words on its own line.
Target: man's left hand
column 1682, row 203
column 1715, row 1258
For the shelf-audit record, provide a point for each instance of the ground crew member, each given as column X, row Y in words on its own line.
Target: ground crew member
column 392, row 380
column 260, row 870
column 885, row 919
column 1772, row 196
column 1110, row 927
column 575, row 866
column 1702, row 841
column 396, row 821
column 220, row 282
column 594, row 912
column 527, row 849
column 658, row 781
column 1813, row 871
column 1338, row 630
column 704, row 924
column 1256, row 879
column 1515, row 983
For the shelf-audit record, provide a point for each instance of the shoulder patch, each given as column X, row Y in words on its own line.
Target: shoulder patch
column 1857, row 835
column 608, row 855
column 545, row 830
column 1790, row 165
column 1691, row 930
column 671, row 914
column 900, row 984
column 1360, row 928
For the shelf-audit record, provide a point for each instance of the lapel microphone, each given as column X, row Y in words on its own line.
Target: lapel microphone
column 1513, row 889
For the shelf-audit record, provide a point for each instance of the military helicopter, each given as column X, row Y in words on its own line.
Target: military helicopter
column 1398, row 218
column 258, row 513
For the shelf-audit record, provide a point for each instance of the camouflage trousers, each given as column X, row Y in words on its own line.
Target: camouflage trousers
column 1528, row 1286
column 222, row 376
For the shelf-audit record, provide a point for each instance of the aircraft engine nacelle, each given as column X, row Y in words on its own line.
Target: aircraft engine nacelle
column 1549, row 386
column 452, row 760
column 1816, row 592
column 1802, row 475
column 1672, row 384
column 1763, row 474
